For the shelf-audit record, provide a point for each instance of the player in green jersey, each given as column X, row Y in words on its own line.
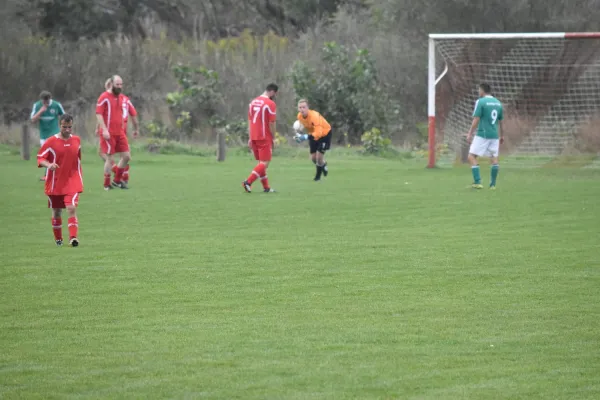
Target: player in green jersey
column 487, row 120
column 46, row 112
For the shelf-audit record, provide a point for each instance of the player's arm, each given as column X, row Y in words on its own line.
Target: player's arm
column 476, row 117
column 501, row 125
column 272, row 119
column 134, row 119
column 474, row 125
column 45, row 158
column 250, row 125
column 36, row 114
column 100, row 108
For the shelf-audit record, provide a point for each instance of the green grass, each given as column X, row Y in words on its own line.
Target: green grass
column 387, row 280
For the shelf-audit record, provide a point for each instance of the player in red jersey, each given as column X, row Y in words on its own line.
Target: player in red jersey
column 109, row 114
column 261, row 121
column 128, row 110
column 61, row 155
column 108, row 88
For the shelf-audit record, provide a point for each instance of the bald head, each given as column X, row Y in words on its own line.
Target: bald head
column 117, row 84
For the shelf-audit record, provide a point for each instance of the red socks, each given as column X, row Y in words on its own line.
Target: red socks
column 106, row 180
column 119, row 174
column 57, row 228
column 125, row 176
column 124, row 173
column 72, row 227
column 258, row 172
column 265, row 181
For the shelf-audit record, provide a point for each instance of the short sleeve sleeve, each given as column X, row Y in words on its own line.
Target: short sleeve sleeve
column 477, row 112
column 101, row 105
column 131, row 109
column 45, row 153
column 272, row 110
column 61, row 110
column 34, row 109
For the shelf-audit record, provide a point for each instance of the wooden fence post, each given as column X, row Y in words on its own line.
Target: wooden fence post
column 221, row 146
column 25, row 142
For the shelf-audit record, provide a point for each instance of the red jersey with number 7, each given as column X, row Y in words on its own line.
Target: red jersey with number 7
column 66, row 153
column 261, row 111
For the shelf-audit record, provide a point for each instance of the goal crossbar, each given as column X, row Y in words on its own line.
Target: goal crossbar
column 433, row 80
column 522, row 35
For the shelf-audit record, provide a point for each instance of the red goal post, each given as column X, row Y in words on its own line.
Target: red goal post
column 441, row 39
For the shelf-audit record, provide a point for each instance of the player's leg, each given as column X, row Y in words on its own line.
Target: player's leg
column 326, row 147
column 43, row 177
column 107, row 147
column 320, row 161
column 494, row 150
column 254, row 174
column 71, row 202
column 313, row 146
column 125, row 176
column 122, row 147
column 56, row 204
column 262, row 153
column 323, row 145
column 476, row 150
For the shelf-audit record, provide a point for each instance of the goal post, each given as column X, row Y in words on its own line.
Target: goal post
column 549, row 84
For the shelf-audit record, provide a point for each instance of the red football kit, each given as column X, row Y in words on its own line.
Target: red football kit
column 261, row 111
column 113, row 108
column 64, row 184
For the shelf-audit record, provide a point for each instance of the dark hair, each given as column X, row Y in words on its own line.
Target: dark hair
column 485, row 87
column 272, row 87
column 45, row 95
column 66, row 118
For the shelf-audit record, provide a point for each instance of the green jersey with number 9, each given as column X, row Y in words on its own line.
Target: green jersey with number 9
column 489, row 111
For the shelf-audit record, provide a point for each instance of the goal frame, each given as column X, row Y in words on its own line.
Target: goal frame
column 432, row 79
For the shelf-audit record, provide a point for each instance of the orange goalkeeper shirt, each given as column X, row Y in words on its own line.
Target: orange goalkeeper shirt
column 314, row 124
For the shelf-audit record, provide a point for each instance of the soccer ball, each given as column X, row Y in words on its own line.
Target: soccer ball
column 298, row 127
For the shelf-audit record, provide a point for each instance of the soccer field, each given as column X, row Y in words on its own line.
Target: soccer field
column 386, row 280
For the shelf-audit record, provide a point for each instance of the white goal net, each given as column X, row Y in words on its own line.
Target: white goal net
column 549, row 86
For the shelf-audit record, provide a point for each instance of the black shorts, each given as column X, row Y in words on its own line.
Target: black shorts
column 320, row 145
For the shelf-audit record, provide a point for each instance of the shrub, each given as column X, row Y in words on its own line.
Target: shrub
column 197, row 102
column 374, row 142
column 345, row 90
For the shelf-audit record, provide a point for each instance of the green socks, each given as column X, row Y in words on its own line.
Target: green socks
column 494, row 174
column 476, row 175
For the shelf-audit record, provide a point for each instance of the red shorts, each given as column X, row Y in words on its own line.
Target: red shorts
column 262, row 149
column 63, row 200
column 116, row 144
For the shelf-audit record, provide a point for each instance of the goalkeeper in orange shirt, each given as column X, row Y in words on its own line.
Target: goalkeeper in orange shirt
column 318, row 135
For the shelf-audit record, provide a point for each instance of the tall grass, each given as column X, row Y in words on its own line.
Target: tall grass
column 75, row 72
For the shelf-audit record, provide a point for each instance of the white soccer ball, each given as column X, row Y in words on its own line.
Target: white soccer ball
column 298, row 127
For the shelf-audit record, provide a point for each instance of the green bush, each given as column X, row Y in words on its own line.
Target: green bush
column 346, row 90
column 237, row 132
column 374, row 142
column 198, row 102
